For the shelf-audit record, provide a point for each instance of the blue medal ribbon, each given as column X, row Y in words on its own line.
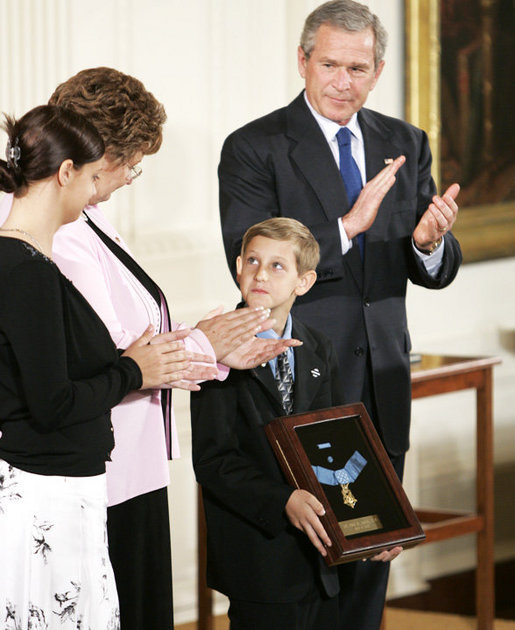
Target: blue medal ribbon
column 349, row 473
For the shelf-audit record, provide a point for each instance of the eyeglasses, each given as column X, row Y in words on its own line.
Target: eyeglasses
column 135, row 171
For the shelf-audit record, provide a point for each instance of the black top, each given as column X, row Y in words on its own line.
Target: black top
column 60, row 373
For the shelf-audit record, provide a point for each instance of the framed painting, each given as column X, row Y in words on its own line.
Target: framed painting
column 336, row 455
column 459, row 89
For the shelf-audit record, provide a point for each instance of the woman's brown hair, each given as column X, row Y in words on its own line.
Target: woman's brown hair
column 127, row 116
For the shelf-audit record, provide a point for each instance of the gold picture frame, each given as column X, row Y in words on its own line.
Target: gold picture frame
column 486, row 230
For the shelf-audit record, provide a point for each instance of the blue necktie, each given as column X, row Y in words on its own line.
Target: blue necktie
column 351, row 177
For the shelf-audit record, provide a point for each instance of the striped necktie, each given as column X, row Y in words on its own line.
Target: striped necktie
column 284, row 379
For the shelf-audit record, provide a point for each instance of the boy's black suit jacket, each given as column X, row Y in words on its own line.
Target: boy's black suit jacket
column 254, row 553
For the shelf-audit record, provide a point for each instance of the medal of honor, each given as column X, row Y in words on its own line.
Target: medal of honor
column 348, row 498
column 343, row 477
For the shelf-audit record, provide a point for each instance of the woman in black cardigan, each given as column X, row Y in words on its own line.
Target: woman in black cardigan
column 60, row 374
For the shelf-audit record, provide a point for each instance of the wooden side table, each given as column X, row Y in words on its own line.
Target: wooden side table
column 434, row 374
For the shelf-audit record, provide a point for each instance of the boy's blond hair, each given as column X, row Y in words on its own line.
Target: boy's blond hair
column 306, row 249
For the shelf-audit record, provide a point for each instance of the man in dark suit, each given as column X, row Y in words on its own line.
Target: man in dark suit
column 296, row 162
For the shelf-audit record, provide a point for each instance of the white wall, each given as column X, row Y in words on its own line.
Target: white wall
column 216, row 64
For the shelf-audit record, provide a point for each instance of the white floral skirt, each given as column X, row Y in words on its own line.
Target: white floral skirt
column 55, row 571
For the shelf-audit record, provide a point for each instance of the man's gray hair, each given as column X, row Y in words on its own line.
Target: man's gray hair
column 348, row 15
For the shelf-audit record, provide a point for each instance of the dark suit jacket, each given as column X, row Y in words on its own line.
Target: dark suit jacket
column 254, row 553
column 281, row 165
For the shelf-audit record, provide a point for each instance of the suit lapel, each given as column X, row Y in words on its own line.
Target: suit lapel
column 263, row 374
column 380, row 144
column 309, row 370
column 314, row 159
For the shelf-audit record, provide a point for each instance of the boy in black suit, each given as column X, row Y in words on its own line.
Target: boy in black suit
column 265, row 539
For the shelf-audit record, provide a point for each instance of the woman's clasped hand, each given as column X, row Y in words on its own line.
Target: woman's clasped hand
column 165, row 362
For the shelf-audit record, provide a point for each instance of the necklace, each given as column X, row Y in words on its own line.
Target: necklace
column 35, row 240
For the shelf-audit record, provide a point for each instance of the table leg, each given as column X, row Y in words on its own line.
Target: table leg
column 485, row 592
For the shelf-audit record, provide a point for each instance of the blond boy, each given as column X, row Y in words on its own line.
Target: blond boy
column 265, row 539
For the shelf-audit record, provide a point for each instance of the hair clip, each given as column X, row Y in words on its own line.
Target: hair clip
column 13, row 154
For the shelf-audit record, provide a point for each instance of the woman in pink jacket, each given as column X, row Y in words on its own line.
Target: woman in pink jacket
column 93, row 255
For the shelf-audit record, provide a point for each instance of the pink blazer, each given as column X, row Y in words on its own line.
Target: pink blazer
column 139, row 460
